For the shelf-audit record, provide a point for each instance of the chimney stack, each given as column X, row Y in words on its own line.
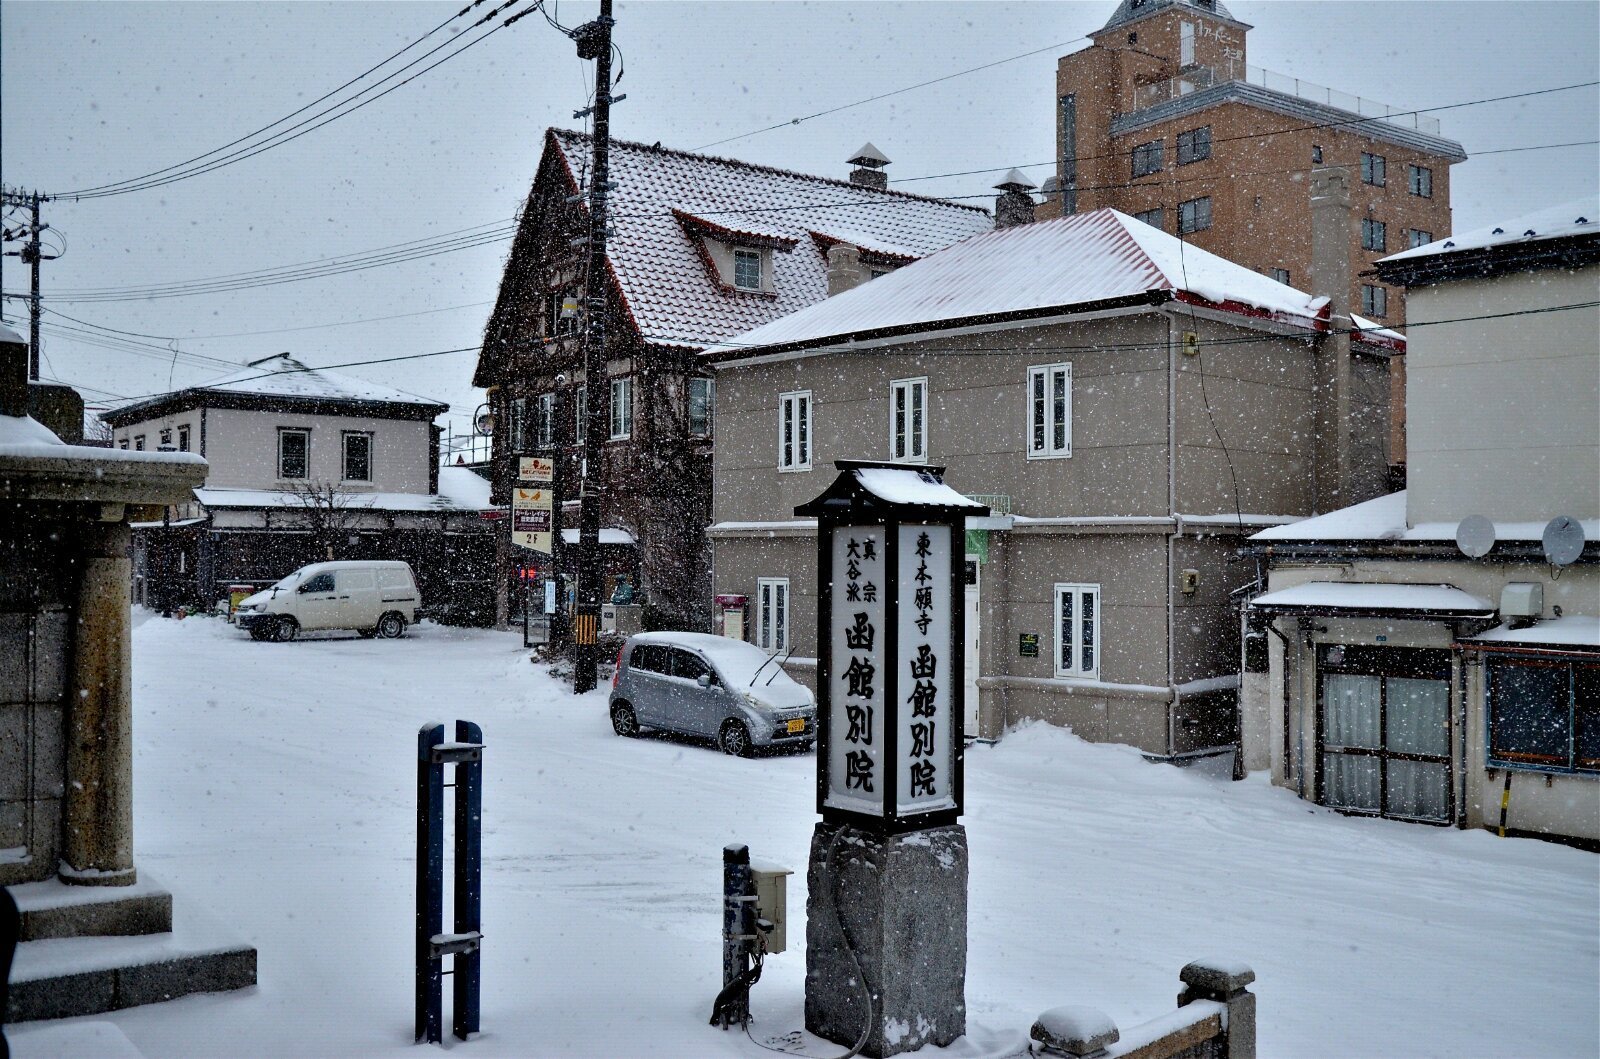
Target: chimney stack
column 13, row 373
column 1015, row 203
column 868, row 171
column 844, row 268
column 1333, row 468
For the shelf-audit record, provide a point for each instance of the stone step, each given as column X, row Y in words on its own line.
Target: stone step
column 63, row 977
column 53, row 909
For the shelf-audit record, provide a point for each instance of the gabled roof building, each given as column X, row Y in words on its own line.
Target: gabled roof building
column 701, row 248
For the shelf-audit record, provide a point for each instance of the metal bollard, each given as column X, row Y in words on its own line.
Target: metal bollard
column 432, row 944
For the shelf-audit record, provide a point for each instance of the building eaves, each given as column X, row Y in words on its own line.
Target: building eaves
column 1316, row 114
column 1131, row 12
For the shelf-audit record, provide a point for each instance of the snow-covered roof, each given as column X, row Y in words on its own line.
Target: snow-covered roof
column 658, row 258
column 1578, row 217
column 910, row 485
column 608, row 535
column 287, row 377
column 459, row 490
column 10, row 337
column 1370, row 597
column 1569, row 630
column 1083, row 259
column 1384, row 519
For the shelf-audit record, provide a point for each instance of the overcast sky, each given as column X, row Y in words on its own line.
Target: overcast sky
column 94, row 93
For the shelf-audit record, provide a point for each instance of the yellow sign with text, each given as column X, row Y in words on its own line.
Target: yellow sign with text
column 532, row 518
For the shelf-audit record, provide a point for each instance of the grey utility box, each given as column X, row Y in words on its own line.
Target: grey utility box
column 772, row 902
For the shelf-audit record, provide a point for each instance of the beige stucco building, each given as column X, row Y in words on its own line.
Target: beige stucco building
column 1434, row 655
column 1128, row 407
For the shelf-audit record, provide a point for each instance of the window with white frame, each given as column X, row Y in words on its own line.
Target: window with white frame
column 1049, row 411
column 138, row 441
column 1078, row 631
column 794, row 431
column 294, row 447
column 357, row 456
column 545, row 430
column 772, row 613
column 908, row 420
column 702, row 405
column 747, row 269
column 621, row 409
column 183, row 439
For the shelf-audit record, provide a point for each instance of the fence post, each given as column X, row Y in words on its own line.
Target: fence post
column 738, row 922
column 1225, row 982
column 430, row 881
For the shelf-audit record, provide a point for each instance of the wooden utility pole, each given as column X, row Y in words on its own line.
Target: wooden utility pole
column 594, row 42
column 31, row 254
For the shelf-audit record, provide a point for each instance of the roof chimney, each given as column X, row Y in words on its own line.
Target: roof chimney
column 13, row 373
column 868, row 171
column 1332, row 470
column 1015, row 204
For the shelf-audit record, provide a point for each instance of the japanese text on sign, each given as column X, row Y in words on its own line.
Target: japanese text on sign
column 855, row 733
column 924, row 651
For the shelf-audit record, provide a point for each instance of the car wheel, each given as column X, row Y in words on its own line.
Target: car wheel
column 283, row 631
column 735, row 739
column 623, row 720
column 391, row 626
column 258, row 634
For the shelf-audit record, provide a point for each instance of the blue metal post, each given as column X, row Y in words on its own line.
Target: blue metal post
column 430, row 883
column 469, row 881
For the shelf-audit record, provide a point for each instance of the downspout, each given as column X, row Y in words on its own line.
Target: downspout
column 1288, row 746
column 1172, row 512
column 1461, row 730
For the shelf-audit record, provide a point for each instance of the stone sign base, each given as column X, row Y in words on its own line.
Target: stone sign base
column 902, row 900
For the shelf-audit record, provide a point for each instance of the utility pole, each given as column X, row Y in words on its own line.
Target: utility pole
column 31, row 254
column 594, row 42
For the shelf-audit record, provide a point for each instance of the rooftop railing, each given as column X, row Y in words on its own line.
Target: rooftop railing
column 1198, row 78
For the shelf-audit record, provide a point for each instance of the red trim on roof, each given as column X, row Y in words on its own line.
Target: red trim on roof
column 701, row 226
column 869, row 255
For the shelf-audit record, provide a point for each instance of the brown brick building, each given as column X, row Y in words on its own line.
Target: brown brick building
column 1163, row 118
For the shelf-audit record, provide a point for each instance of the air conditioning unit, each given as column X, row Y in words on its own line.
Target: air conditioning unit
column 1522, row 599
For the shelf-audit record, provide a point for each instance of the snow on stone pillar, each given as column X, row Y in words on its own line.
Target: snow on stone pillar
column 844, row 268
column 868, row 171
column 886, row 918
column 97, row 846
column 1015, row 204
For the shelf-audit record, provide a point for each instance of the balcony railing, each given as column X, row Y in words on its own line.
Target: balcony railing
column 1202, row 77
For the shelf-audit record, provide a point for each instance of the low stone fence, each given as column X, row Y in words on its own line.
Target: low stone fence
column 1216, row 1019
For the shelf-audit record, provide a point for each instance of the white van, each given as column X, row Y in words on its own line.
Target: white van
column 375, row 598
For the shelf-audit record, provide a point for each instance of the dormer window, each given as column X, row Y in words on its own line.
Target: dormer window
column 747, row 269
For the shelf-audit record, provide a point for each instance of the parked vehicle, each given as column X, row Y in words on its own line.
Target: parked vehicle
column 375, row 598
column 729, row 691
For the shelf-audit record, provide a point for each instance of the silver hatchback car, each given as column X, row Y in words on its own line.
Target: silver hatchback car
column 725, row 690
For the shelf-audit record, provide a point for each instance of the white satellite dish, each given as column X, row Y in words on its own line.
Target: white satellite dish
column 1563, row 540
column 1475, row 536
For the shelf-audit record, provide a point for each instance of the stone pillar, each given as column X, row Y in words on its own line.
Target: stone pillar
column 901, row 901
column 1332, row 470
column 844, row 268
column 1225, row 983
column 97, row 812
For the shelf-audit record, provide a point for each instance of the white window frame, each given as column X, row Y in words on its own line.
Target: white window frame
column 621, row 417
column 1040, row 403
column 744, row 254
column 183, row 438
column 771, row 625
column 284, row 432
column 1186, row 37
column 344, row 455
column 1069, row 650
column 795, row 407
column 909, row 445
column 710, row 386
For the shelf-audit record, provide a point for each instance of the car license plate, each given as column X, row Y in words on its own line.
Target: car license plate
column 797, row 725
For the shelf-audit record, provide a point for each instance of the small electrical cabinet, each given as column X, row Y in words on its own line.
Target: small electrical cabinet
column 771, row 886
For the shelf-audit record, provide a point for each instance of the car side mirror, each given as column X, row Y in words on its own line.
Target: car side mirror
column 704, row 680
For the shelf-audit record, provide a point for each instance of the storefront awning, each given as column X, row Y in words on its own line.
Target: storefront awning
column 1571, row 633
column 1350, row 599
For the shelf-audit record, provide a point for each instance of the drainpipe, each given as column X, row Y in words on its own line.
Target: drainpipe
column 1288, row 746
column 1172, row 513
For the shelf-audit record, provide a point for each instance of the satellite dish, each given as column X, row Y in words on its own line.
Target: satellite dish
column 1563, row 540
column 1475, row 536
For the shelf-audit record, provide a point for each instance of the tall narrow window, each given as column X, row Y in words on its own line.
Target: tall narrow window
column 747, row 269
column 1373, row 169
column 357, row 457
column 1316, row 154
column 794, row 431
column 1186, row 44
column 908, row 420
column 772, row 613
column 1050, row 411
column 517, row 424
column 138, row 441
column 1422, row 181
column 1374, row 300
column 702, row 403
column 580, row 414
column 183, row 439
column 621, row 409
column 166, row 437
column 545, row 430
column 1078, row 631
column 294, row 447
column 1374, row 234
column 1194, row 215
column 1069, row 154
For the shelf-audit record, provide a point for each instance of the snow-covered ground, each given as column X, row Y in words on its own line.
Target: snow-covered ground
column 275, row 786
